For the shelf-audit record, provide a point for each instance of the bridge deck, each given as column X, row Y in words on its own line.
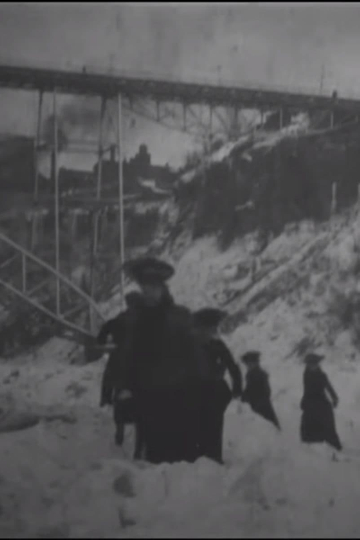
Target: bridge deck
column 109, row 84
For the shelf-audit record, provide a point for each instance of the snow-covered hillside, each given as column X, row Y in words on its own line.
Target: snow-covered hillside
column 62, row 476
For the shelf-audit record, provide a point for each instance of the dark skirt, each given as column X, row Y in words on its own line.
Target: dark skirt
column 264, row 408
column 125, row 412
column 183, row 422
column 216, row 399
column 318, row 423
column 165, row 416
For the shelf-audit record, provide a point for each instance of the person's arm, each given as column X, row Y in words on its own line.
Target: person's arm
column 107, row 387
column 245, row 394
column 233, row 368
column 105, row 330
column 330, row 389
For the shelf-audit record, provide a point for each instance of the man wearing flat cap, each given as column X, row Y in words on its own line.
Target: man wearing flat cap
column 164, row 361
column 257, row 392
column 220, row 361
column 318, row 420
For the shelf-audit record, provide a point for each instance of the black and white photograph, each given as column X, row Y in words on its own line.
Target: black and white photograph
column 179, row 270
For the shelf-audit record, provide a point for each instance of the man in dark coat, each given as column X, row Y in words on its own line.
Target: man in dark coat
column 257, row 392
column 113, row 391
column 165, row 365
column 318, row 421
column 219, row 395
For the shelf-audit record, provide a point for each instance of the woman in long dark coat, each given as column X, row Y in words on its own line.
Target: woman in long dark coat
column 257, row 392
column 318, row 420
column 165, row 365
column 217, row 394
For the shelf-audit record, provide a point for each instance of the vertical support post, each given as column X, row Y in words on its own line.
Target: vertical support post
column 204, row 161
column 235, row 122
column 120, row 142
column 36, row 148
column 34, row 230
column 332, row 119
column 95, row 220
column 211, row 116
column 333, row 197
column 57, row 228
column 184, row 116
column 23, row 268
column 281, row 118
column 96, row 233
column 100, row 149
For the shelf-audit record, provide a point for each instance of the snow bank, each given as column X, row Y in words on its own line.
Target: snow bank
column 64, row 477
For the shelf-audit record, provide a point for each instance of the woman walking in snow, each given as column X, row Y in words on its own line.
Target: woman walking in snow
column 318, row 420
column 257, row 392
column 220, row 361
column 164, row 366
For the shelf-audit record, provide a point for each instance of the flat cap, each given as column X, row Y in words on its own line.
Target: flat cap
column 251, row 357
column 313, row 358
column 148, row 269
column 208, row 317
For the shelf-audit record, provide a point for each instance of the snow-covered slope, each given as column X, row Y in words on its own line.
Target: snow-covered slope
column 62, row 476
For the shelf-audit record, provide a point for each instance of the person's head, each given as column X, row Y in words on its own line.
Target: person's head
column 209, row 331
column 151, row 275
column 207, row 320
column 153, row 290
column 312, row 361
column 251, row 359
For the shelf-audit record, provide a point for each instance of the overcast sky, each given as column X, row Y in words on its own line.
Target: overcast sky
column 283, row 44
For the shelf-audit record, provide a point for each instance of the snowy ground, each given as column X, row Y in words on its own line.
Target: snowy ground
column 62, row 476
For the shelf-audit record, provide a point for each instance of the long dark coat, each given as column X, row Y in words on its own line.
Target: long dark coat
column 112, row 377
column 165, row 369
column 257, row 394
column 318, row 421
column 221, row 360
column 217, row 395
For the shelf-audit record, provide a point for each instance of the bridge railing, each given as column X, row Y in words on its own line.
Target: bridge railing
column 203, row 79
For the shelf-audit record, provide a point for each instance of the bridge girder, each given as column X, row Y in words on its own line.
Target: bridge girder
column 130, row 85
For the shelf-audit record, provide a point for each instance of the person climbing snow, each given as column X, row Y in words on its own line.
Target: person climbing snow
column 318, row 419
column 113, row 392
column 164, row 366
column 220, row 360
column 257, row 392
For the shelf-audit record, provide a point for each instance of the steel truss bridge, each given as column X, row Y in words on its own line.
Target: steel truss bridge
column 196, row 107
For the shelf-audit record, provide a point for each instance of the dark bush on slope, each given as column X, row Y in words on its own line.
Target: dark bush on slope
column 286, row 183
